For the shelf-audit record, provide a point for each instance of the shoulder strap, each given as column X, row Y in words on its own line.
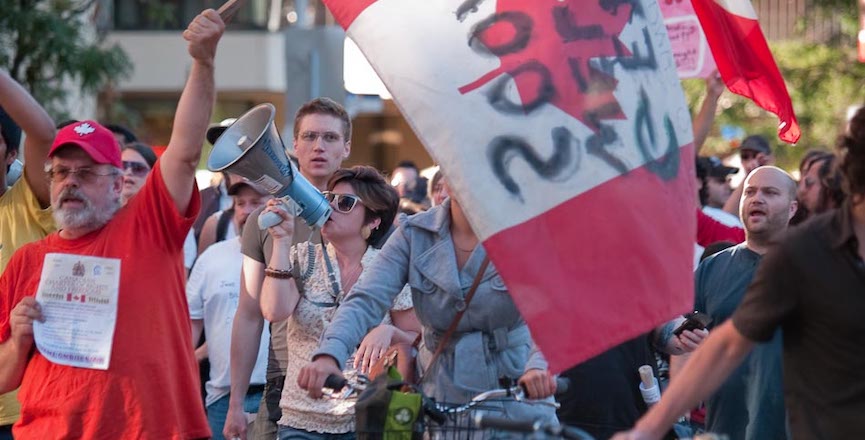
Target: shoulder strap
column 222, row 224
column 453, row 327
column 331, row 275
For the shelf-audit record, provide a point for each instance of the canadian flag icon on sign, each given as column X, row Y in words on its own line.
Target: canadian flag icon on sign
column 80, row 298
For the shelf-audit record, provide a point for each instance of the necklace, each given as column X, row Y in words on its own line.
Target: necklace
column 349, row 278
column 464, row 250
column 457, row 247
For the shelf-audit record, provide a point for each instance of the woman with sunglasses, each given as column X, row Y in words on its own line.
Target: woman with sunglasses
column 138, row 160
column 306, row 285
column 438, row 254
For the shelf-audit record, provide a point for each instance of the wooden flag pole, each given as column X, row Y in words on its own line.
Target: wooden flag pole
column 229, row 8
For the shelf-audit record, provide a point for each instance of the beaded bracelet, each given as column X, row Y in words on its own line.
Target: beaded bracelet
column 277, row 273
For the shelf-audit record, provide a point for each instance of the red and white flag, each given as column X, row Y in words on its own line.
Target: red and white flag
column 562, row 129
column 745, row 61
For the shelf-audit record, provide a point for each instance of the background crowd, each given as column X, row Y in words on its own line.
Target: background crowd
column 225, row 329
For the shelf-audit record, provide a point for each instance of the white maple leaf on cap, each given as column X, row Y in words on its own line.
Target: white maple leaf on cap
column 84, row 129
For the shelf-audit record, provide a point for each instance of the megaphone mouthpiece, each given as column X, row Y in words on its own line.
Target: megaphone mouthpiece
column 243, row 143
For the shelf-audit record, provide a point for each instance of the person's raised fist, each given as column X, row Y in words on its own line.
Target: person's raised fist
column 203, row 35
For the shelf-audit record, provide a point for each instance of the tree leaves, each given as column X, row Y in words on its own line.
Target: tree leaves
column 52, row 46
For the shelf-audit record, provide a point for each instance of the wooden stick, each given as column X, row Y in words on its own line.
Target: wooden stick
column 229, row 8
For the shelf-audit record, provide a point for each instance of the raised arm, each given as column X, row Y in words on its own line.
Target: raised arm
column 279, row 293
column 38, row 128
column 706, row 117
column 732, row 203
column 193, row 111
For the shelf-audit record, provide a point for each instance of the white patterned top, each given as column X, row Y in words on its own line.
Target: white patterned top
column 305, row 327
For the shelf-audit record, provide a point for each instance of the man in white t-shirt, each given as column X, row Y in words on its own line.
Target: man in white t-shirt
column 212, row 291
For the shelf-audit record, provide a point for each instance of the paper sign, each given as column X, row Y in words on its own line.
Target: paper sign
column 78, row 295
column 690, row 50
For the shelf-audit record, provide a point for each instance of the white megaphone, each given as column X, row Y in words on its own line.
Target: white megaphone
column 252, row 148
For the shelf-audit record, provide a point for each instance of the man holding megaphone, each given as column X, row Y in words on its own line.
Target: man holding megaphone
column 322, row 141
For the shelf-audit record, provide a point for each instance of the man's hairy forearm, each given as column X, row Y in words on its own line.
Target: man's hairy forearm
column 245, row 340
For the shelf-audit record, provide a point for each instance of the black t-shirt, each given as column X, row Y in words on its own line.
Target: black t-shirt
column 604, row 396
column 813, row 286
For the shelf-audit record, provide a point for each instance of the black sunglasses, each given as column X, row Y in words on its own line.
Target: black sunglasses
column 344, row 202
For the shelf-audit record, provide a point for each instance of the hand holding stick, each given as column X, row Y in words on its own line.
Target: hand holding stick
column 229, row 9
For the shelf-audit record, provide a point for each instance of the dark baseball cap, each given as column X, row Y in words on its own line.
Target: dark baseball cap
column 216, row 130
column 238, row 182
column 711, row 166
column 756, row 143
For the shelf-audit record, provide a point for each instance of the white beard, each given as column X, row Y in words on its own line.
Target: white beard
column 89, row 217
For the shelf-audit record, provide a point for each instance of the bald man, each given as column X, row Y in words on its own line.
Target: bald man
column 749, row 404
column 745, row 400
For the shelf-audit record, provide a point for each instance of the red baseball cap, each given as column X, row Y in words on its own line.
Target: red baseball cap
column 97, row 141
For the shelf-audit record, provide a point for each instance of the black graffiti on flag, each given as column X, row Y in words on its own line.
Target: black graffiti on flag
column 566, row 158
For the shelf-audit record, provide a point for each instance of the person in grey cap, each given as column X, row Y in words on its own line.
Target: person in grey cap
column 754, row 152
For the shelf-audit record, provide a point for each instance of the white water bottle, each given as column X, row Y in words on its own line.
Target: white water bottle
column 649, row 386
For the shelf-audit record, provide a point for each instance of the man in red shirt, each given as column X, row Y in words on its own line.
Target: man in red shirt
column 150, row 387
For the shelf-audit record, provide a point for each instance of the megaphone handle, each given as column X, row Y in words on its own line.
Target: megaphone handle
column 268, row 220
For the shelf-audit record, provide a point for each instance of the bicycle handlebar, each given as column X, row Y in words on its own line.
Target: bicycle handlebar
column 562, row 385
column 335, row 382
column 485, row 421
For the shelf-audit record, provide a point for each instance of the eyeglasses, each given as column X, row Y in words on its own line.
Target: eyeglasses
column 137, row 168
column 344, row 202
column 747, row 156
column 329, row 137
column 84, row 174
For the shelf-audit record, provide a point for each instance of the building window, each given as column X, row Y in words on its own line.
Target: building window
column 133, row 15
column 271, row 15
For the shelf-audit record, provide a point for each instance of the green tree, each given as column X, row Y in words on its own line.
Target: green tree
column 52, row 45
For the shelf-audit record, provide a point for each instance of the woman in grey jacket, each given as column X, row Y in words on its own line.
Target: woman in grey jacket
column 438, row 255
